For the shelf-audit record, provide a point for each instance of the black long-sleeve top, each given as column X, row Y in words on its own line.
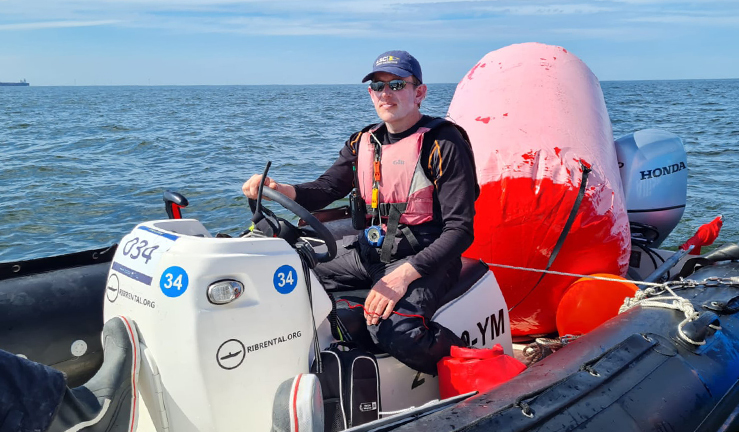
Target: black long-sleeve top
column 447, row 161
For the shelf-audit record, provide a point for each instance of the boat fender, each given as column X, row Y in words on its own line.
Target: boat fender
column 471, row 369
column 698, row 329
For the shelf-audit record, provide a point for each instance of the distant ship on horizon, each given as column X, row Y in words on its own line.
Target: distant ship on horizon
column 21, row 83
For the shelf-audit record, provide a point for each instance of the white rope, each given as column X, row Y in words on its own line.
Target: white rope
column 652, row 284
column 672, row 301
column 649, row 297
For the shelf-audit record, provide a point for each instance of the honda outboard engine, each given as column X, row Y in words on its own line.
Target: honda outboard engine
column 654, row 173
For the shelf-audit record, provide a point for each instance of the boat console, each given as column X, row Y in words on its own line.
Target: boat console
column 231, row 319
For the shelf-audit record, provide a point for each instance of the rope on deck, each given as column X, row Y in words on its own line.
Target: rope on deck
column 658, row 295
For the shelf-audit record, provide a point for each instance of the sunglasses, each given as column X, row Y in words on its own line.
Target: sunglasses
column 395, row 85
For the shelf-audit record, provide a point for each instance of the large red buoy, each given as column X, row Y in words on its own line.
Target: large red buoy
column 537, row 119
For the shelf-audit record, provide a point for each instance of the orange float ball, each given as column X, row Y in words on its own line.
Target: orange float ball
column 588, row 303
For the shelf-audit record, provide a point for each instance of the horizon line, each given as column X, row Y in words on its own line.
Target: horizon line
column 323, row 84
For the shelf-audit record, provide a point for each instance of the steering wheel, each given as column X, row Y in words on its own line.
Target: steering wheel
column 323, row 233
column 260, row 212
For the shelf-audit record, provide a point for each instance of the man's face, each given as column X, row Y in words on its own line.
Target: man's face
column 395, row 106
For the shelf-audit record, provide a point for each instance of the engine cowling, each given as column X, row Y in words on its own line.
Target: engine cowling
column 654, row 173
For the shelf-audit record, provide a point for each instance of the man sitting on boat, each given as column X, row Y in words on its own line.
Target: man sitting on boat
column 414, row 177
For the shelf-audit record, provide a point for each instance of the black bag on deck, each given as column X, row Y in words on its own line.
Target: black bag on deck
column 350, row 383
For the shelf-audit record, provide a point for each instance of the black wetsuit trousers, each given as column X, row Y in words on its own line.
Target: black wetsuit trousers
column 30, row 394
column 418, row 343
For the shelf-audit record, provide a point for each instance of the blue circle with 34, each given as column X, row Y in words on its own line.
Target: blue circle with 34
column 174, row 281
column 285, row 279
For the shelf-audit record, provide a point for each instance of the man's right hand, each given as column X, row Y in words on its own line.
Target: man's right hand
column 251, row 187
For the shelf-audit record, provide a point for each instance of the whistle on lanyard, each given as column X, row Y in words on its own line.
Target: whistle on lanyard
column 375, row 235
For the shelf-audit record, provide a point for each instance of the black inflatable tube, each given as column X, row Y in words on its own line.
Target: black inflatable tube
column 662, row 383
column 48, row 304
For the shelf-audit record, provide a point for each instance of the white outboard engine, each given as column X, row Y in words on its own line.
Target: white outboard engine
column 654, row 173
column 223, row 322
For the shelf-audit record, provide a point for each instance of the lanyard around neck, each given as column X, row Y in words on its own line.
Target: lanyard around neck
column 377, row 176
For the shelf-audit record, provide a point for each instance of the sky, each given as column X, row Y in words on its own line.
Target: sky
column 227, row 42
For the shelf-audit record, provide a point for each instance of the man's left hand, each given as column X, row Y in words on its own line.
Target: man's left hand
column 387, row 291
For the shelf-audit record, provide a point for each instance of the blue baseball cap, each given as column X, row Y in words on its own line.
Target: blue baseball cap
column 398, row 63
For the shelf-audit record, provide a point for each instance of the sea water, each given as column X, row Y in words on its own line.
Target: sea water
column 81, row 166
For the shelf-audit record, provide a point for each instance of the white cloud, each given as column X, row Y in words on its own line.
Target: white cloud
column 55, row 24
column 272, row 26
column 554, row 9
column 689, row 19
column 457, row 19
column 622, row 34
